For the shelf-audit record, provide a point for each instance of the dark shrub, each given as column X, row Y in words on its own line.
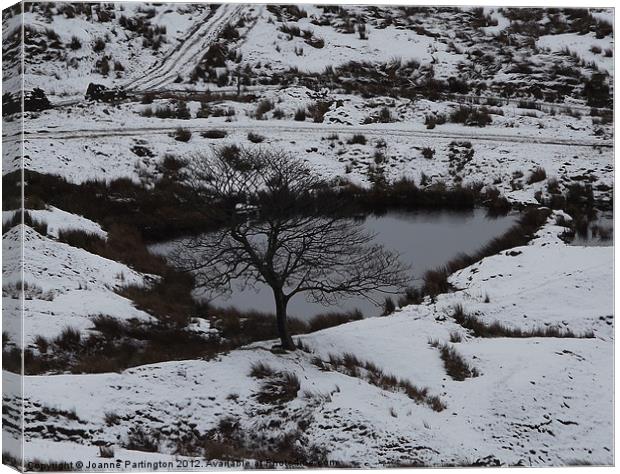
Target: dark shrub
column 300, row 115
column 538, row 174
column 328, row 320
column 528, row 104
column 42, row 344
column 229, row 32
column 111, row 418
column 213, row 134
column 263, row 107
column 69, row 339
column 318, row 109
column 388, row 306
column 431, row 120
column 255, row 137
column 124, row 244
column 103, row 66
column 169, row 299
column 357, row 139
column 597, row 92
column 260, row 370
column 553, row 185
column 75, row 43
column 182, row 135
column 147, row 98
column 496, row 329
column 16, row 219
column 138, row 439
column 99, row 45
column 456, row 367
column 183, row 111
column 428, row 152
column 315, row 42
column 36, row 100
column 279, row 388
column 106, row 451
column 471, row 116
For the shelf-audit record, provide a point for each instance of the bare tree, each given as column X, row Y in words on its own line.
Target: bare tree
column 286, row 244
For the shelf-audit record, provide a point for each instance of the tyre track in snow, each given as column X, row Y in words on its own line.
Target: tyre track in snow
column 271, row 129
column 191, row 50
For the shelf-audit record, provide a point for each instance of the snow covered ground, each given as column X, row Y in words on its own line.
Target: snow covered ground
column 67, row 286
column 518, row 410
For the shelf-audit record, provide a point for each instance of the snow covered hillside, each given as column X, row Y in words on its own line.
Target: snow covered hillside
column 517, row 410
column 512, row 82
column 502, row 357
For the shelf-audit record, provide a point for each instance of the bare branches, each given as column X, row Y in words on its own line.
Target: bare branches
column 290, row 249
column 237, row 175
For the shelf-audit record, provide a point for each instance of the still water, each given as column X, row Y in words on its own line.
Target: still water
column 424, row 240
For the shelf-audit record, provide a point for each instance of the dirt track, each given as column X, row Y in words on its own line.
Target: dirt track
column 307, row 128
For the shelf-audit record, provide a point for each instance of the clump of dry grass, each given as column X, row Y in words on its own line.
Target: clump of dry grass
column 331, row 319
column 538, row 174
column 349, row 364
column 456, row 366
column 138, row 439
column 106, row 452
column 279, row 388
column 497, row 329
column 260, row 370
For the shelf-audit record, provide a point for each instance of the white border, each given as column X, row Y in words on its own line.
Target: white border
column 514, row 3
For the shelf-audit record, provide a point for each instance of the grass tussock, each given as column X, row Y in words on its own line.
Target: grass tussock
column 261, row 370
column 106, row 452
column 255, row 137
column 537, row 175
column 456, row 366
column 350, row 365
column 16, row 219
column 139, row 439
column 272, row 445
column 182, row 135
column 496, row 329
column 214, row 134
column 357, row 139
column 332, row 319
column 471, row 116
column 28, row 291
column 276, row 387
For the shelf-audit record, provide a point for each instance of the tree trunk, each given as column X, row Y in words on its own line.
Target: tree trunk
column 285, row 337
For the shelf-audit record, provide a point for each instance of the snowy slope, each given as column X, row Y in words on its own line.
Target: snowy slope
column 66, row 72
column 67, row 286
column 518, row 410
column 59, row 220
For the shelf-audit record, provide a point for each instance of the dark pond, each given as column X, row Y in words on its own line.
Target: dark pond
column 424, row 240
